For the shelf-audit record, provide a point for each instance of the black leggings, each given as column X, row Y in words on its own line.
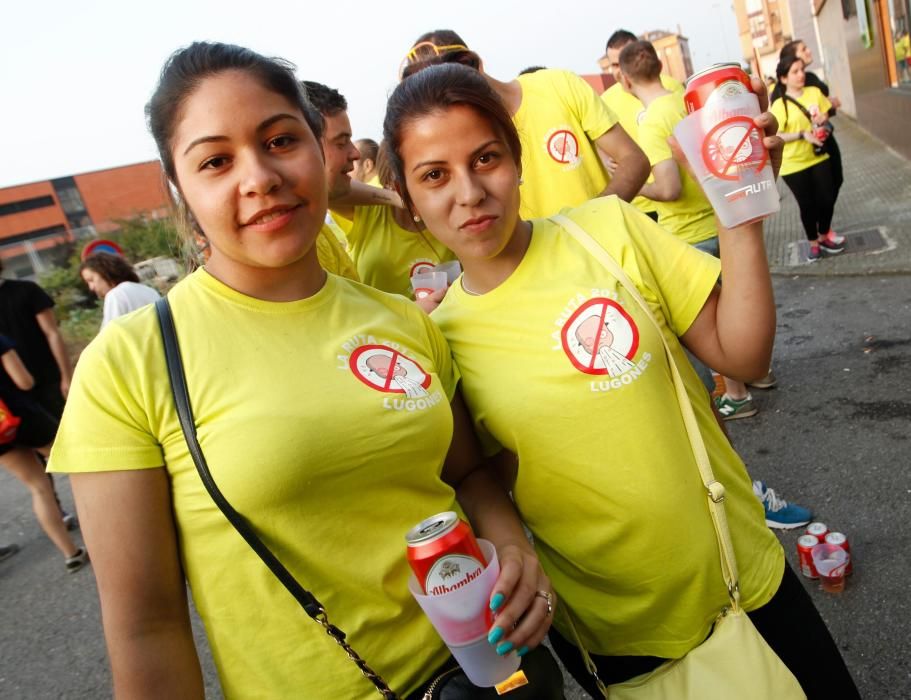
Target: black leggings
column 815, row 191
column 789, row 623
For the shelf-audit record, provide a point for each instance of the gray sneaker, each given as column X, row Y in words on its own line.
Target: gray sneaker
column 734, row 409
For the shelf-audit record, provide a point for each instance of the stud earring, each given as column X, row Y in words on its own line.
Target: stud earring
column 521, row 181
column 417, row 219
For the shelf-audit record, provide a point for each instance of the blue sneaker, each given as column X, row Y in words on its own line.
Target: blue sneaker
column 778, row 512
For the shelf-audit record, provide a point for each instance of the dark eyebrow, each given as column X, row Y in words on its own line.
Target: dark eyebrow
column 474, row 153
column 262, row 127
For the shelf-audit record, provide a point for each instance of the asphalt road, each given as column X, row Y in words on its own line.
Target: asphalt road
column 833, row 436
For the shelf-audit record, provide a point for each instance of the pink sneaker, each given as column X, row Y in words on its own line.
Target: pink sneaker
column 835, row 238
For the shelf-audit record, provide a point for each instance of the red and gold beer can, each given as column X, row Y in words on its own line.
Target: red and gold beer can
column 839, row 539
column 444, row 553
column 805, row 544
column 818, row 530
column 715, row 83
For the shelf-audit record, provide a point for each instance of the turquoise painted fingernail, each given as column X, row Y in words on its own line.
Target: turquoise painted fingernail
column 497, row 601
column 495, row 635
column 522, row 651
column 504, row 648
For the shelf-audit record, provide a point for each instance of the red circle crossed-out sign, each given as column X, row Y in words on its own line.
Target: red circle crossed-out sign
column 733, row 145
column 563, row 146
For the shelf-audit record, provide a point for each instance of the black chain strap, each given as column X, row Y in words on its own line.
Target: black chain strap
column 187, row 423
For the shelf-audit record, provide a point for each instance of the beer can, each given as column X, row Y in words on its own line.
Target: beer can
column 818, row 530
column 714, row 83
column 444, row 553
column 839, row 539
column 805, row 544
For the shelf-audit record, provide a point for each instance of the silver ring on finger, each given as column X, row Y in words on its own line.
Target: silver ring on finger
column 548, row 598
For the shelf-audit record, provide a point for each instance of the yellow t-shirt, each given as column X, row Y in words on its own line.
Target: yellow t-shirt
column 628, row 108
column 798, row 155
column 606, row 482
column 558, row 120
column 387, row 255
column 340, row 234
column 689, row 217
column 332, row 256
column 331, row 463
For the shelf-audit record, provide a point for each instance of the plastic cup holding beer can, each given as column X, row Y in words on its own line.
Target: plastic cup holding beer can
column 452, row 269
column 462, row 618
column 831, row 561
column 426, row 283
column 725, row 151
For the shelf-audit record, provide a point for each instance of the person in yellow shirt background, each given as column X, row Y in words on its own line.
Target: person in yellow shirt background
column 365, row 166
column 562, row 123
column 806, row 168
column 570, row 389
column 627, row 107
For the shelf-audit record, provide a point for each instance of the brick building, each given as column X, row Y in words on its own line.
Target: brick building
column 39, row 218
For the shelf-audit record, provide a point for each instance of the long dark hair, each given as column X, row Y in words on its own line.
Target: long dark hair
column 434, row 90
column 781, row 71
column 113, row 268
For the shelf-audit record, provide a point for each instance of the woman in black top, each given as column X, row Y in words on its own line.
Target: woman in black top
column 35, row 434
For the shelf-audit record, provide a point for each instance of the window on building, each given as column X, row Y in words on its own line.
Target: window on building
column 71, row 201
column 26, row 205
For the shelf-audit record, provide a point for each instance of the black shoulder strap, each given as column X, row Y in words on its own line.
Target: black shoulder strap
column 187, row 423
column 803, row 109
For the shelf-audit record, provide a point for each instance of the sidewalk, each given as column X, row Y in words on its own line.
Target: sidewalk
column 873, row 211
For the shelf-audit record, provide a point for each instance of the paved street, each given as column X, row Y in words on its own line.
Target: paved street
column 832, row 436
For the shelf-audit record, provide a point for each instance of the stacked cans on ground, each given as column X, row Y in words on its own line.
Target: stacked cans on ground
column 818, row 534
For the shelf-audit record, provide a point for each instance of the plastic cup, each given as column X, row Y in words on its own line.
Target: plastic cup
column 426, row 283
column 730, row 162
column 830, row 561
column 462, row 618
column 452, row 269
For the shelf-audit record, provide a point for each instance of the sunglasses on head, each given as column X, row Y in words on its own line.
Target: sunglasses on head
column 425, row 51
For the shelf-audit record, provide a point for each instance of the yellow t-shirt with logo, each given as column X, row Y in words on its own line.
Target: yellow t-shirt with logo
column 798, row 155
column 330, row 456
column 560, row 366
column 332, row 256
column 689, row 217
column 558, row 120
column 387, row 255
column 628, row 108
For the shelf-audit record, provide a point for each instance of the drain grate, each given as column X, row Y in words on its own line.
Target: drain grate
column 866, row 241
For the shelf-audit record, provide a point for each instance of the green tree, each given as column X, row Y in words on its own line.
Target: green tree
column 142, row 238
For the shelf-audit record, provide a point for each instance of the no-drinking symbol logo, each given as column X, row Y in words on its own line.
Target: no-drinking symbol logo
column 732, row 146
column 387, row 370
column 601, row 338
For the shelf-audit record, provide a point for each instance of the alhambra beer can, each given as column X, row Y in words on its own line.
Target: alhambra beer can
column 707, row 87
column 444, row 553
column 818, row 530
column 841, row 540
column 805, row 544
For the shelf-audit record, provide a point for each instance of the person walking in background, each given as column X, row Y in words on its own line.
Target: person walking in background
column 35, row 433
column 802, row 111
column 562, row 123
column 112, row 279
column 799, row 48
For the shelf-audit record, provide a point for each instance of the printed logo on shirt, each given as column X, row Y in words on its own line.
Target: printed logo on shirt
column 562, row 145
column 387, row 370
column 601, row 338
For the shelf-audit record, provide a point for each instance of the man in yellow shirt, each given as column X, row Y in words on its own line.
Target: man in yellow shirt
column 561, row 122
column 365, row 166
column 627, row 106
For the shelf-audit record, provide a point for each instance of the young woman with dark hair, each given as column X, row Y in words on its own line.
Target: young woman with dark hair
column 298, row 381
column 568, row 383
column 111, row 278
column 806, row 168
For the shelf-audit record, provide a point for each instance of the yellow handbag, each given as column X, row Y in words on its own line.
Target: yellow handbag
column 735, row 661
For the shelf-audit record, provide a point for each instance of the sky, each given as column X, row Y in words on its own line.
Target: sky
column 75, row 76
